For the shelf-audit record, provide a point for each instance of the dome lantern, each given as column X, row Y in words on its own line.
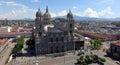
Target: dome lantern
column 70, row 15
column 39, row 13
column 47, row 14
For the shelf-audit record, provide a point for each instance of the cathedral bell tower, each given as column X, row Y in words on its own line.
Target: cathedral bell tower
column 38, row 23
column 70, row 26
column 47, row 16
column 38, row 31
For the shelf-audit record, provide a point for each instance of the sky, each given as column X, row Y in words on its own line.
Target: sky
column 20, row 9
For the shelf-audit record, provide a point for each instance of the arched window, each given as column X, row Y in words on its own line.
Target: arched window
column 70, row 32
column 62, row 38
column 39, row 33
column 51, row 49
column 62, row 48
column 57, row 50
column 51, row 39
column 70, row 25
column 57, row 39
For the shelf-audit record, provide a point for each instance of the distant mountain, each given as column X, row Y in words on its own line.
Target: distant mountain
column 76, row 17
column 85, row 19
column 27, row 19
column 91, row 19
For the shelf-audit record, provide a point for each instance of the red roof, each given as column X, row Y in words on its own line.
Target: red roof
column 117, row 44
column 13, row 32
column 2, row 41
column 90, row 34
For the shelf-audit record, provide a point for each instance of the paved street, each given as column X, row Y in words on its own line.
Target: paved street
column 100, row 53
column 67, row 60
column 6, row 53
column 55, row 61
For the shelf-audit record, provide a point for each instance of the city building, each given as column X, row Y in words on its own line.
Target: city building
column 115, row 47
column 3, row 46
column 5, row 29
column 50, row 38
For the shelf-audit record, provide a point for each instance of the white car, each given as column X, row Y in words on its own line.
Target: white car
column 117, row 62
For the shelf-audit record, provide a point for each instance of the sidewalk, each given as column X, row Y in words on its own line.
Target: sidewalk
column 6, row 54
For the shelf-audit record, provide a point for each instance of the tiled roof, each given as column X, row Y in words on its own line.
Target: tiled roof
column 117, row 44
column 13, row 32
column 2, row 41
column 76, row 39
column 89, row 34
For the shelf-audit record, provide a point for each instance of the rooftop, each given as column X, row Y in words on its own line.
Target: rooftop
column 13, row 32
column 117, row 44
column 2, row 41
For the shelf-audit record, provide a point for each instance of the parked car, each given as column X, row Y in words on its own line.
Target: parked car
column 80, row 52
column 117, row 62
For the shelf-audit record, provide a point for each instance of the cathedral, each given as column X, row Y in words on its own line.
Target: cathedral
column 53, row 38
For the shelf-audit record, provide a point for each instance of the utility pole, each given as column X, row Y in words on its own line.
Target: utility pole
column 36, row 62
column 73, row 43
column 64, row 51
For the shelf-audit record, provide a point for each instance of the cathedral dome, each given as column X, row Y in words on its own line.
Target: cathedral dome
column 70, row 15
column 38, row 13
column 47, row 14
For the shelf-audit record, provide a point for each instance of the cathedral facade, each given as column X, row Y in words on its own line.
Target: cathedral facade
column 50, row 38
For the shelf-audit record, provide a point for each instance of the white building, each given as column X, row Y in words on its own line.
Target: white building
column 5, row 29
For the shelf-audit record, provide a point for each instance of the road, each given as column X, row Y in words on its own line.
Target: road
column 55, row 61
column 6, row 53
column 69, row 60
column 100, row 53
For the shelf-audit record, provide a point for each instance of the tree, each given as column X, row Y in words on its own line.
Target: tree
column 81, row 58
column 18, row 47
column 95, row 58
column 88, row 59
column 78, row 61
column 108, row 52
column 102, row 59
column 95, row 44
column 31, row 41
column 116, row 55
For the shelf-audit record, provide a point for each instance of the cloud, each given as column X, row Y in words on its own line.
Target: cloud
column 3, row 16
column 90, row 13
column 17, row 11
column 62, row 13
column 74, row 7
column 34, row 0
column 11, row 3
column 105, row 13
column 77, row 14
column 53, row 14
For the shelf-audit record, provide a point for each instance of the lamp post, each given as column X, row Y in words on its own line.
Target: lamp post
column 64, row 51
column 36, row 61
column 74, row 44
